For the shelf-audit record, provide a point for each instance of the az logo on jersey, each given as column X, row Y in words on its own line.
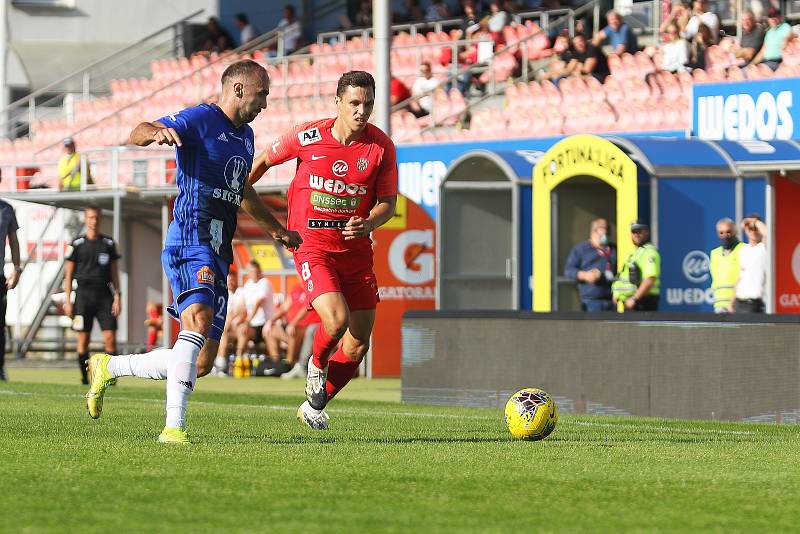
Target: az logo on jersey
column 307, row 137
column 236, row 173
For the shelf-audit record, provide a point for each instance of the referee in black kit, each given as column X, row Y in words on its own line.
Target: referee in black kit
column 92, row 261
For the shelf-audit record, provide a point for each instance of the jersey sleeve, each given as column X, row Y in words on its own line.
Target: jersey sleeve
column 71, row 254
column 188, row 123
column 285, row 147
column 386, row 185
column 113, row 254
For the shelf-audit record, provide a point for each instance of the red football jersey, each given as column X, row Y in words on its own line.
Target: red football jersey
column 334, row 182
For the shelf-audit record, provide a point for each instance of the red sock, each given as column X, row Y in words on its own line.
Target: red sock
column 322, row 347
column 341, row 370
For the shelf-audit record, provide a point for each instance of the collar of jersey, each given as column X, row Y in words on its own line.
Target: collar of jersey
column 227, row 119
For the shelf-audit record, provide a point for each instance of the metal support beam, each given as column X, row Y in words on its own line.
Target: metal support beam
column 383, row 40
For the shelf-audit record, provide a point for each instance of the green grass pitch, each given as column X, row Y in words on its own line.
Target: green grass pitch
column 383, row 466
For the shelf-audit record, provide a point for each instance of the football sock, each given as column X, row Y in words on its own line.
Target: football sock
column 182, row 375
column 341, row 370
column 151, row 365
column 322, row 347
column 83, row 359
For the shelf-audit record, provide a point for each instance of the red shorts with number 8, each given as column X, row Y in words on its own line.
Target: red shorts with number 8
column 349, row 273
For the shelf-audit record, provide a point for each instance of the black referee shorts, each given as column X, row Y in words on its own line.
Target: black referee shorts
column 91, row 304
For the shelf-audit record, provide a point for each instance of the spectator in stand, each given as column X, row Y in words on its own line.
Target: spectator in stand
column 618, row 35
column 702, row 16
column 751, row 40
column 587, row 59
column 364, row 14
column 292, row 31
column 753, row 264
column 438, row 10
column 593, row 264
column 472, row 19
column 217, row 39
column 679, row 15
column 498, row 19
column 258, row 308
column 423, row 86
column 69, row 168
column 697, row 48
column 675, row 51
column 557, row 68
column 778, row 34
column 412, row 12
column 246, row 30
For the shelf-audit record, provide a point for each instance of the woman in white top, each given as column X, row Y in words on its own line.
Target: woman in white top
column 675, row 52
column 753, row 261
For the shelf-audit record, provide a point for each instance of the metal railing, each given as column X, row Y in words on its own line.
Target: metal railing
column 93, row 79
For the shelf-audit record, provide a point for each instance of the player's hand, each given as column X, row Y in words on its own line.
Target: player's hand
column 290, row 330
column 167, row 136
column 356, row 227
column 630, row 303
column 288, row 238
column 68, row 309
column 11, row 281
column 115, row 306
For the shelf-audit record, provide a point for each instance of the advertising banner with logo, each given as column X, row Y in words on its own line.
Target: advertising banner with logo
column 787, row 245
column 688, row 211
column 405, row 256
column 764, row 109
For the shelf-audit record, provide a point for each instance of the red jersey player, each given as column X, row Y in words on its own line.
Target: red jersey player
column 345, row 187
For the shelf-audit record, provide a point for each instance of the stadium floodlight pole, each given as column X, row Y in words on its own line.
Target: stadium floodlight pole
column 383, row 39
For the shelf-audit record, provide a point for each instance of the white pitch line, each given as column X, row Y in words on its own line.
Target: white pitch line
column 383, row 413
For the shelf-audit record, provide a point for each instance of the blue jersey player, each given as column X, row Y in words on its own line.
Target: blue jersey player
column 214, row 151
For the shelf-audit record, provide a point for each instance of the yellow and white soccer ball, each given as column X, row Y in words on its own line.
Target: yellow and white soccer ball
column 531, row 414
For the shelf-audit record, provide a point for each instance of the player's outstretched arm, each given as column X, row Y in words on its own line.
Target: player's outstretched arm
column 251, row 203
column 378, row 216
column 154, row 132
column 260, row 166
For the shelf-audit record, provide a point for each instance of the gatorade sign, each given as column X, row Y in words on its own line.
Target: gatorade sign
column 763, row 110
column 787, row 246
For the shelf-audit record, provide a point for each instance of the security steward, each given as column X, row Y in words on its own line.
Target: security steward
column 638, row 285
column 724, row 266
column 92, row 262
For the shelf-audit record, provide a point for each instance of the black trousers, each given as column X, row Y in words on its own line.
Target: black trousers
column 647, row 303
column 3, row 304
column 748, row 306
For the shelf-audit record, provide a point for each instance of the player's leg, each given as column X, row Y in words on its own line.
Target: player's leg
column 205, row 360
column 83, row 354
column 335, row 315
column 108, row 325
column 355, row 344
column 82, row 323
column 3, row 303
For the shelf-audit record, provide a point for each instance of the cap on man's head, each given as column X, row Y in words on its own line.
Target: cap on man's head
column 68, row 141
column 773, row 13
column 638, row 225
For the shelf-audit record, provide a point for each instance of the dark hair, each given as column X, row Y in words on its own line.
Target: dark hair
column 244, row 67
column 254, row 263
column 93, row 207
column 290, row 9
column 241, row 17
column 354, row 78
column 426, row 64
column 579, row 34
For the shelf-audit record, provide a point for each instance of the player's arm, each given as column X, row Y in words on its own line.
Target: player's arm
column 154, row 132
column 260, row 166
column 251, row 203
column 69, row 271
column 378, row 216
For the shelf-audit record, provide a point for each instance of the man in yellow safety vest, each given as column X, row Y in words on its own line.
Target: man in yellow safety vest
column 69, row 168
column 724, row 266
column 638, row 284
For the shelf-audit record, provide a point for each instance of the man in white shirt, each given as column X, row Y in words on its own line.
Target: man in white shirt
column 258, row 303
column 292, row 31
column 246, row 30
column 424, row 85
column 753, row 263
column 702, row 15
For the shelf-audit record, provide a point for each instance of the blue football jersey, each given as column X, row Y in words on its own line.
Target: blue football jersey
column 213, row 165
